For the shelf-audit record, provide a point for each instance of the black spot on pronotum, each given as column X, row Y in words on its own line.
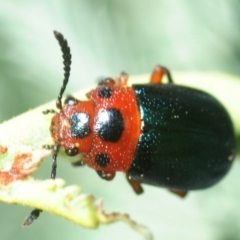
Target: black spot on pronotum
column 102, row 159
column 110, row 124
column 79, row 125
column 105, row 92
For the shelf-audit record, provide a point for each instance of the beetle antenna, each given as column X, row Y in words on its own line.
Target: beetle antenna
column 54, row 162
column 67, row 65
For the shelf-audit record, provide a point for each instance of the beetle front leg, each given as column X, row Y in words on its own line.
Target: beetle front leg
column 158, row 73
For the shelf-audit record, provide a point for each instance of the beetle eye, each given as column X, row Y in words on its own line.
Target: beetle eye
column 72, row 151
column 70, row 100
column 79, row 125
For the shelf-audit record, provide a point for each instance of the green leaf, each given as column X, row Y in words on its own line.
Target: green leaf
column 65, row 201
column 21, row 153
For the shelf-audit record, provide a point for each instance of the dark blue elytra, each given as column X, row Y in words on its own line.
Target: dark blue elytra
column 187, row 140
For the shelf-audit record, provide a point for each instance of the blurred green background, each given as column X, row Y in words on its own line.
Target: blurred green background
column 106, row 37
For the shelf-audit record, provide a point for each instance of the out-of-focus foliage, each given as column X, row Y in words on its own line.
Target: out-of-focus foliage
column 107, row 37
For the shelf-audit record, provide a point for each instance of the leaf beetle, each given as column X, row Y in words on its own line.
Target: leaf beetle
column 160, row 134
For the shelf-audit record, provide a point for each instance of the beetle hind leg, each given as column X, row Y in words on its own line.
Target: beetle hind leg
column 158, row 73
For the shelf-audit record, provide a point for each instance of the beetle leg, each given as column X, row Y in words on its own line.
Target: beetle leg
column 135, row 185
column 158, row 73
column 180, row 193
column 106, row 175
column 78, row 163
column 122, row 80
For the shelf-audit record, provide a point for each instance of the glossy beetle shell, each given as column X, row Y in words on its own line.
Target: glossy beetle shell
column 187, row 138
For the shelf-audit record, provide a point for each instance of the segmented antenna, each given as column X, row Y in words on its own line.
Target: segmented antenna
column 67, row 65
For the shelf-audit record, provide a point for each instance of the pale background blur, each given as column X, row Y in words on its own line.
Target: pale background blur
column 106, row 37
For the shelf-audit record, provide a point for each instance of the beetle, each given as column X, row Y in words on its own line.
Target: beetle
column 164, row 135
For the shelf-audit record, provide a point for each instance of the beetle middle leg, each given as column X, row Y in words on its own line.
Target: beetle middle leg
column 135, row 185
column 180, row 193
column 78, row 163
column 106, row 175
column 158, row 73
